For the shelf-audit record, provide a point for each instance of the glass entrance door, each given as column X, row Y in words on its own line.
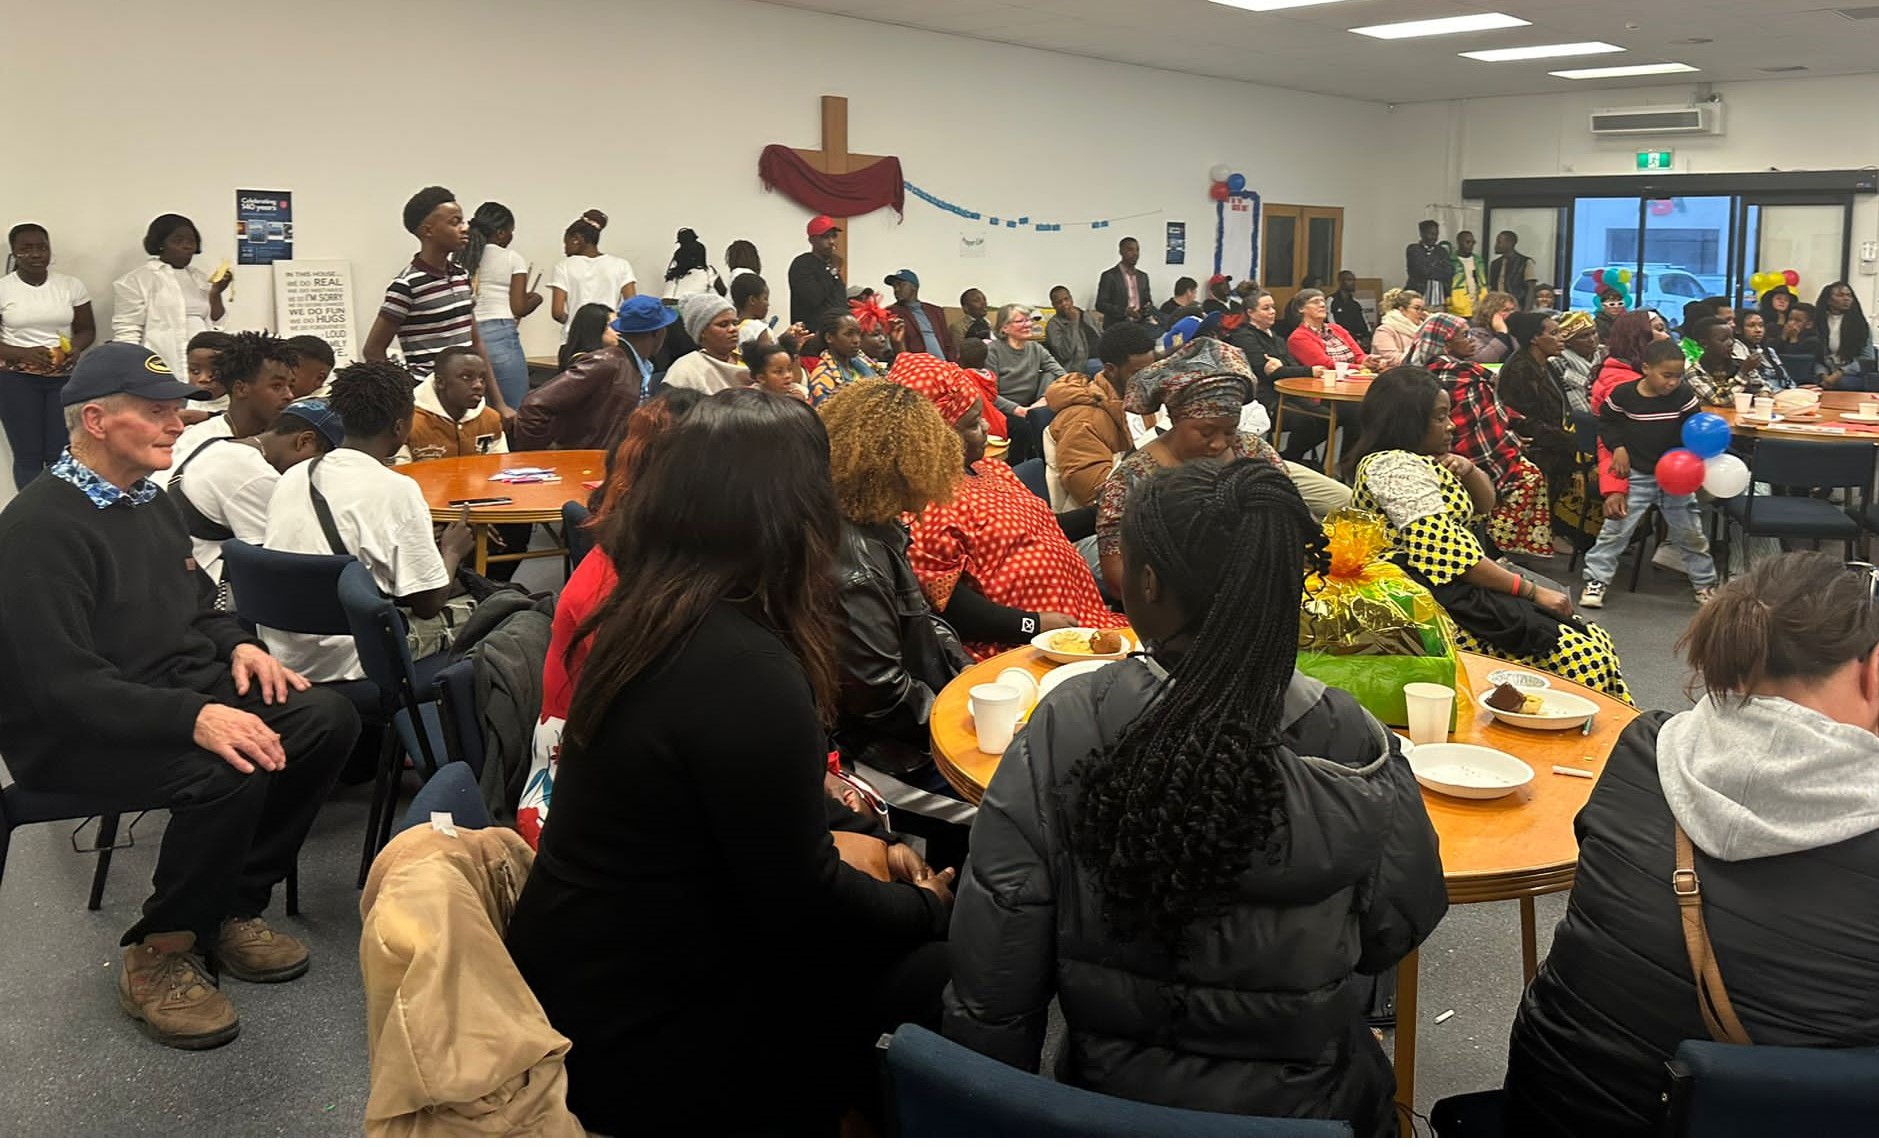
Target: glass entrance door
column 1685, row 253
column 1808, row 238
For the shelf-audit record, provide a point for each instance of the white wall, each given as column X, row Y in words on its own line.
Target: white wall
column 1795, row 124
column 654, row 112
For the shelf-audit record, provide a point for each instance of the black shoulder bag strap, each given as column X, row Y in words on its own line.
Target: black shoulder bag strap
column 322, row 511
column 199, row 524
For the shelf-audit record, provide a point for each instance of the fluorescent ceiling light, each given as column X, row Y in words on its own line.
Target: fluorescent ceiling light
column 1614, row 73
column 1447, row 26
column 1274, row 5
column 1542, row 51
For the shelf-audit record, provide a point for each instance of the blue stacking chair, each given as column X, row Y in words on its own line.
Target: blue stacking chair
column 452, row 789
column 1721, row 1089
column 21, row 806
column 938, row 1089
column 574, row 533
column 1846, row 466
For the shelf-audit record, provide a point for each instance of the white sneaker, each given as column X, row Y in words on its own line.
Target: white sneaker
column 1703, row 595
column 1593, row 595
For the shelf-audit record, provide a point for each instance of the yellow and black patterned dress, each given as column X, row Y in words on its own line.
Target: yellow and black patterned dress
column 1429, row 512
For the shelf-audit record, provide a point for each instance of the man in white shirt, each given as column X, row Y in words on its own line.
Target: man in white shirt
column 258, row 370
column 371, row 512
column 224, row 492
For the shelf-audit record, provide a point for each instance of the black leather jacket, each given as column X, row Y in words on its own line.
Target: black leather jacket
column 896, row 655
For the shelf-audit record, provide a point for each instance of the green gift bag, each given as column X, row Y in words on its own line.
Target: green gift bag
column 1377, row 680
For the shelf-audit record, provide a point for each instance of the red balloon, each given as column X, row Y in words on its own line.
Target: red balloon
column 1680, row 472
column 1218, row 191
column 1598, row 277
column 1791, row 278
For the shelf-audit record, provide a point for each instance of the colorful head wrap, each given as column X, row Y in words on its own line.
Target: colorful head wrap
column 1204, row 379
column 944, row 384
column 1432, row 338
column 1575, row 323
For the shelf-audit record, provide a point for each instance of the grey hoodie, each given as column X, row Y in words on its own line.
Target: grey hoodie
column 1767, row 777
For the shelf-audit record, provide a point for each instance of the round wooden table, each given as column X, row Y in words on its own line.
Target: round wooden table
column 444, row 480
column 1830, row 428
column 1514, row 848
column 1333, row 393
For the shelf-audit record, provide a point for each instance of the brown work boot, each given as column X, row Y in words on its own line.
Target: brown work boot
column 164, row 987
column 250, row 950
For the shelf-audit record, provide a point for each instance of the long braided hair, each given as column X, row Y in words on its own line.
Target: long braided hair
column 1170, row 817
column 490, row 218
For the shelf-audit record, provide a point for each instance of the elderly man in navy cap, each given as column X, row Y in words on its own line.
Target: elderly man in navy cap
column 925, row 323
column 120, row 680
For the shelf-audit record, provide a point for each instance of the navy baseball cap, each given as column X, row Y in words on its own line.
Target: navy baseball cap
column 124, row 368
column 903, row 276
column 643, row 314
column 322, row 417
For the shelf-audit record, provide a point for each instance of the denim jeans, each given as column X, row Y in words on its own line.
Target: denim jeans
column 34, row 421
column 506, row 360
column 1686, row 533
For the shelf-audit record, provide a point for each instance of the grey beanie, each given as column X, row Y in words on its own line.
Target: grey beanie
column 697, row 311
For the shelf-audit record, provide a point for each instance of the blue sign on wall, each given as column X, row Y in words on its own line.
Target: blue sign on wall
column 264, row 226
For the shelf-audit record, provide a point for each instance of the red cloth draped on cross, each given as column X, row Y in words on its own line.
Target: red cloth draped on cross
column 875, row 186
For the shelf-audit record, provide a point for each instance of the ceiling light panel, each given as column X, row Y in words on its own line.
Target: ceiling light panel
column 1618, row 73
column 1542, row 52
column 1274, row 5
column 1446, row 26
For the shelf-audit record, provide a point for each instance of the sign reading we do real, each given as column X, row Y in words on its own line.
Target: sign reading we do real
column 314, row 297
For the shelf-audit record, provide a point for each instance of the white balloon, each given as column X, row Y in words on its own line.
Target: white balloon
column 1725, row 476
column 1219, row 173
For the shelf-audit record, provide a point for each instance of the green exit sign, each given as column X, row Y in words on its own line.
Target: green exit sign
column 1654, row 160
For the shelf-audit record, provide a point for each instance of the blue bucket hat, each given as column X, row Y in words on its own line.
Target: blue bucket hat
column 643, row 314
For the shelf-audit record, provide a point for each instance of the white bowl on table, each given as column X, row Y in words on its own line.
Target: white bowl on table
column 1471, row 772
column 1559, row 710
column 1043, row 644
column 1064, row 673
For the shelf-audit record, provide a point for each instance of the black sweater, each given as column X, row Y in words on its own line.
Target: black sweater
column 1648, row 426
column 109, row 638
column 688, row 904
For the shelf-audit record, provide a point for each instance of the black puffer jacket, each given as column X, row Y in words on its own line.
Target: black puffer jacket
column 1796, row 937
column 1265, row 1013
column 895, row 654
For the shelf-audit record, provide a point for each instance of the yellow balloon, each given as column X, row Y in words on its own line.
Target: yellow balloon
column 1624, row 275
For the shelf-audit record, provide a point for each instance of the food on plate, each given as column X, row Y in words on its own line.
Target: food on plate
column 1531, row 705
column 1070, row 641
column 1797, row 403
column 1508, row 699
column 1106, row 641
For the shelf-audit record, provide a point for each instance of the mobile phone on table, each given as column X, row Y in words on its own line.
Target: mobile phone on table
column 459, row 503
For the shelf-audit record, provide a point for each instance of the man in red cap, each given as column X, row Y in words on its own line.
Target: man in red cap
column 815, row 281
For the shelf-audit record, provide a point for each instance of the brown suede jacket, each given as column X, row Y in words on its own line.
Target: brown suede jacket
column 1090, row 432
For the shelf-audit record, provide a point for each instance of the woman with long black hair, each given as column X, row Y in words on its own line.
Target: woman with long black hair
column 1845, row 338
column 688, row 897
column 690, row 272
column 503, row 299
column 1200, row 851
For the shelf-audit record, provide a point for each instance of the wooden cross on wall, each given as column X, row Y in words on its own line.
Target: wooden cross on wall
column 834, row 158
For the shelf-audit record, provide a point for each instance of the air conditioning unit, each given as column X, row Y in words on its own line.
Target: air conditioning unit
column 1700, row 119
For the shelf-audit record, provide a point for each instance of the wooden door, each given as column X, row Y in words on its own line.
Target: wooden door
column 1298, row 242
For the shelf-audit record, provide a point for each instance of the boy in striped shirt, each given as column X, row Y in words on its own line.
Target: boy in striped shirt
column 431, row 306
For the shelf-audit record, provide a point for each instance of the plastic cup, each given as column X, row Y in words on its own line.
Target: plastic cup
column 1764, row 406
column 1744, row 403
column 1430, row 707
column 995, row 710
column 1343, row 371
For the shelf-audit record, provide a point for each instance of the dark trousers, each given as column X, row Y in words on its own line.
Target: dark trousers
column 1027, row 435
column 34, row 422
column 232, row 836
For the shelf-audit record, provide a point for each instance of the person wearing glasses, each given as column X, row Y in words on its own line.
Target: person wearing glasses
column 1395, row 336
column 1769, row 780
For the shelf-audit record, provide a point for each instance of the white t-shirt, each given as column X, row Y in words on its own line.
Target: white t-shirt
column 381, row 518
column 230, row 484
column 37, row 316
column 193, row 436
column 590, row 279
column 497, row 270
column 754, row 329
column 698, row 281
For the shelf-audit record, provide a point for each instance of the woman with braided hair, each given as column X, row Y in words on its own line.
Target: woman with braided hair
column 1200, row 850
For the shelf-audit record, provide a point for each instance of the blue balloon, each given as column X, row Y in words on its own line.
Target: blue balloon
column 1236, row 183
column 1706, row 435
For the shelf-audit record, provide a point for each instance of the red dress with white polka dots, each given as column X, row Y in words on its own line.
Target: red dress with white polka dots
column 1007, row 542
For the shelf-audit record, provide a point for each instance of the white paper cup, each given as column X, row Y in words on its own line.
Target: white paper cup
column 1869, row 409
column 1744, row 403
column 1343, row 371
column 995, row 711
column 1764, row 406
column 1023, row 682
column 1430, row 706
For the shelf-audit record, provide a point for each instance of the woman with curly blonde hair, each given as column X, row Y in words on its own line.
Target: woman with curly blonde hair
column 891, row 454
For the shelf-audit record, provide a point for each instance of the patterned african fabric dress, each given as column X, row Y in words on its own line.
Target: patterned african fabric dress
column 1112, row 499
column 1522, row 521
column 1429, row 512
column 1005, row 539
column 831, row 374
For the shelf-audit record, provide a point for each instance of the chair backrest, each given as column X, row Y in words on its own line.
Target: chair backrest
column 294, row 593
column 1781, row 462
column 1725, row 1089
column 938, row 1088
column 456, row 685
column 378, row 629
column 452, row 789
column 574, row 532
column 1031, row 473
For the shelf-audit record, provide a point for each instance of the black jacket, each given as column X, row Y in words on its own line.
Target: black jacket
column 815, row 288
column 896, row 655
column 1348, row 313
column 1112, row 296
column 1795, row 935
column 1264, row 1014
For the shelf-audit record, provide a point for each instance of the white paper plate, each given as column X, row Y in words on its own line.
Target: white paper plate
column 1760, row 421
column 1558, row 710
column 1063, row 673
column 1042, row 644
column 1472, row 772
column 1856, row 416
column 1519, row 679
